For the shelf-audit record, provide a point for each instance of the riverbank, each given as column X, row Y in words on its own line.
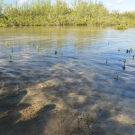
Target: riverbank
column 45, row 13
column 72, row 23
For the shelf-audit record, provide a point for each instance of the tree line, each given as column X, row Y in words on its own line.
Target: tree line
column 45, row 13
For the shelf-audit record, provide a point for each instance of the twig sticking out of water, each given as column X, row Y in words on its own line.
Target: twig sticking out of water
column 131, row 49
column 7, row 43
column 119, row 50
column 89, row 120
column 117, row 73
column 10, row 57
column 55, row 52
column 124, row 64
column 38, row 47
column 12, row 49
column 106, row 60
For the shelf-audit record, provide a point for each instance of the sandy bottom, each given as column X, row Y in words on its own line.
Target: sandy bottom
column 73, row 92
column 48, row 108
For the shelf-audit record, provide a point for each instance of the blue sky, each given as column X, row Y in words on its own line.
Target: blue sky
column 121, row 5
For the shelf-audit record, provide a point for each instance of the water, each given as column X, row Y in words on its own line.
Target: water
column 79, row 65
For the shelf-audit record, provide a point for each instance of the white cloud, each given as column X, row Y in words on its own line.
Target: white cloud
column 23, row 1
column 120, row 1
column 109, row 4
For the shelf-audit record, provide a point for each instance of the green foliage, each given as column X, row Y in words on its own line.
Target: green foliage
column 10, row 57
column 120, row 27
column 38, row 47
column 89, row 120
column 119, row 50
column 82, row 21
column 124, row 62
column 42, row 13
column 1, row 5
column 131, row 49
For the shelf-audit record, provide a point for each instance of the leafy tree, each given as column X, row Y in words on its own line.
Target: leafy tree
column 43, row 12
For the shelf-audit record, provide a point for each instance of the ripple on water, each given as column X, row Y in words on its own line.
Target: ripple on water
column 77, row 77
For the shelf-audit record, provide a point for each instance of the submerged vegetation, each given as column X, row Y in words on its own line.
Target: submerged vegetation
column 79, row 12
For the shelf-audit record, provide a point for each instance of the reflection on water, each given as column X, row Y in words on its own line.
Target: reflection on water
column 79, row 65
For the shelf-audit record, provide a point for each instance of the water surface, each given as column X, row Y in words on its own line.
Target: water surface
column 75, row 58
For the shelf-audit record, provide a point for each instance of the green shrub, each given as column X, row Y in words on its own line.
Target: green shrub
column 120, row 27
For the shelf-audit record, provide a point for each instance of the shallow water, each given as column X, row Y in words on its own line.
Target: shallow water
column 80, row 63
